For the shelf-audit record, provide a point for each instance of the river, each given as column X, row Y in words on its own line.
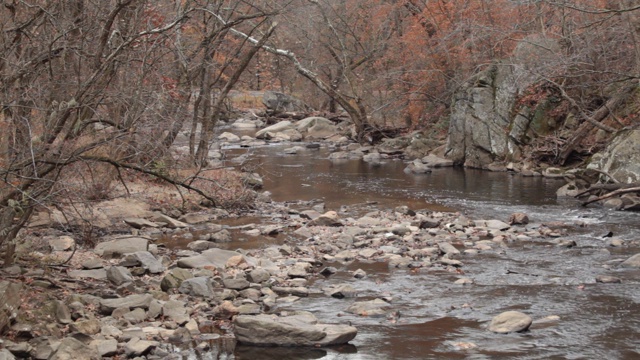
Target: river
column 578, row 318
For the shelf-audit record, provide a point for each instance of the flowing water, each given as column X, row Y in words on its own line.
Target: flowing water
column 438, row 319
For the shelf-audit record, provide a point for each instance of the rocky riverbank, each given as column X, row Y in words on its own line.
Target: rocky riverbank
column 130, row 296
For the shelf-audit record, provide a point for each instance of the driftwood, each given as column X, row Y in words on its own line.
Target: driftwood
column 621, row 190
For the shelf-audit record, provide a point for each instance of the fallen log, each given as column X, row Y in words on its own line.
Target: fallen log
column 613, row 194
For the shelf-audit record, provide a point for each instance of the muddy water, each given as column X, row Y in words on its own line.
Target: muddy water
column 437, row 319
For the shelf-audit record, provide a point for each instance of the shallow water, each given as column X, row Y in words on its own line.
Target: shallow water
column 439, row 319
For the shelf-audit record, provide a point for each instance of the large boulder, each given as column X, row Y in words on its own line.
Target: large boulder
column 271, row 131
column 121, row 246
column 300, row 329
column 510, row 321
column 621, row 158
column 317, row 127
column 279, row 102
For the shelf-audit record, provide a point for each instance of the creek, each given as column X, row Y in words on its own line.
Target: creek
column 574, row 317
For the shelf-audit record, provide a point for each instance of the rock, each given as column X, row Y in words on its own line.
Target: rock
column 222, row 236
column 201, row 245
column 216, row 258
column 607, row 279
column 226, row 310
column 359, row 274
column 417, row 167
column 434, row 161
column 294, row 330
column 119, row 275
column 145, row 260
column 632, row 262
column 92, row 264
column 105, row 348
column 135, row 316
column 121, row 246
column 275, row 128
column 72, row 349
column 198, row 286
column 621, row 157
column 236, row 283
column 98, row 274
column 570, row 189
column 229, row 137
column 258, row 275
column 168, row 221
column 330, row 218
column 6, row 355
column 518, row 219
column 341, row 291
column 322, row 129
column 139, row 223
column 174, row 278
column 137, row 347
column 510, row 321
column 553, row 172
column 87, row 327
column 377, row 307
column 464, row 281
column 299, row 270
column 252, row 180
column 132, row 301
column 9, row 303
column 193, row 218
column 447, row 248
column 493, row 224
column 279, row 102
column 299, row 291
column 61, row 311
column 428, row 223
column 62, row 243
column 176, row 311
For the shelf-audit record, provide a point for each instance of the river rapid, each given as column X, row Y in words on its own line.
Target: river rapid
column 574, row 316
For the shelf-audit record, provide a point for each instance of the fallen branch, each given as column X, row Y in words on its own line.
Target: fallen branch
column 612, row 194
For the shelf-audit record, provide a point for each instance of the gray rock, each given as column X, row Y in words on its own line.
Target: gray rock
column 201, row 245
column 62, row 243
column 238, row 283
column 72, row 349
column 330, row 218
column 259, row 275
column 372, row 308
column 87, row 327
column 137, row 347
column 632, row 262
column 229, row 137
column 193, row 218
column 299, row 291
column 119, row 275
column 607, row 279
column 273, row 129
column 6, row 355
column 98, row 274
column 61, row 310
column 135, row 316
column 105, row 348
column 518, row 219
column 447, row 248
column 294, row 330
column 279, row 102
column 211, row 258
column 174, row 278
column 417, row 167
column 176, row 311
column 145, row 260
column 132, row 301
column 359, row 274
column 435, row 161
column 121, row 246
column 201, row 286
column 341, row 291
column 10, row 301
column 92, row 264
column 139, row 223
column 621, row 157
column 168, row 221
column 510, row 321
column 222, row 236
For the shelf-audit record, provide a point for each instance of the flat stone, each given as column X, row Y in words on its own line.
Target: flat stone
column 87, row 327
column 72, row 349
column 295, row 330
column 169, row 221
column 98, row 274
column 376, row 307
column 198, row 286
column 510, row 321
column 607, row 279
column 139, row 223
column 132, row 301
column 62, row 243
column 176, row 311
column 447, row 248
column 137, row 347
column 145, row 260
column 119, row 275
column 105, row 348
column 216, row 258
column 121, row 246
